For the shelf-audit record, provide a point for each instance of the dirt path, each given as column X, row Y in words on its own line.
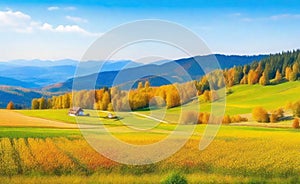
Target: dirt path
column 14, row 119
column 149, row 117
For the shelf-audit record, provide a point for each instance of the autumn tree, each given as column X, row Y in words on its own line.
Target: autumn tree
column 147, row 84
column 66, row 101
column 172, row 98
column 140, row 85
column 295, row 72
column 296, row 109
column 42, row 103
column 35, row 103
column 10, row 106
column 189, row 117
column 288, row 72
column 296, row 123
column 206, row 96
column 260, row 115
column 278, row 76
column 264, row 79
column 105, row 101
column 253, row 77
column 226, row 119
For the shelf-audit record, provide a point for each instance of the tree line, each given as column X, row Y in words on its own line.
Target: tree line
column 116, row 99
column 272, row 70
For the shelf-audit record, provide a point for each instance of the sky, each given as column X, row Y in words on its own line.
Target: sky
column 54, row 30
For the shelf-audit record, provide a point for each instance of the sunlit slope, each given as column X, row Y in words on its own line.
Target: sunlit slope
column 245, row 97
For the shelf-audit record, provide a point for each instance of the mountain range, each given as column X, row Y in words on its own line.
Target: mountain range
column 22, row 80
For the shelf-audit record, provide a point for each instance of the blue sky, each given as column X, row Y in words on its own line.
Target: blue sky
column 64, row 29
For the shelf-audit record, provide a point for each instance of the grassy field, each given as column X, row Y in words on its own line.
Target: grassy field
column 238, row 154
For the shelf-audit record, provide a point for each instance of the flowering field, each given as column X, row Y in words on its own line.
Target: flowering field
column 254, row 154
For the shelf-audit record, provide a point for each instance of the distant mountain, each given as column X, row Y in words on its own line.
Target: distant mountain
column 153, row 73
column 17, row 83
column 20, row 96
column 43, row 73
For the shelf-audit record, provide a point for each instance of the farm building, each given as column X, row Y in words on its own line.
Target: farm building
column 76, row 111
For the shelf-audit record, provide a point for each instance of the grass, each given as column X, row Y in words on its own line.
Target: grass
column 238, row 154
column 245, row 97
column 145, row 179
column 230, row 155
column 30, row 132
column 58, row 114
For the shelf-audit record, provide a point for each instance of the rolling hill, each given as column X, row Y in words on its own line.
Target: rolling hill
column 17, row 83
column 20, row 96
column 38, row 73
column 153, row 73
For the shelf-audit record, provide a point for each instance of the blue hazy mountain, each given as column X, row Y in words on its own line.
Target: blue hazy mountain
column 153, row 72
column 41, row 73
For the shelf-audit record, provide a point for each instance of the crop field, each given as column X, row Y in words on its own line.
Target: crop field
column 237, row 154
column 45, row 146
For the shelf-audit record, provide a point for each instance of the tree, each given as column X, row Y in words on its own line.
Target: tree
column 226, row 119
column 147, row 84
column 296, row 109
column 288, row 72
column 252, row 77
column 260, row 115
column 140, row 85
column 264, row 79
column 10, row 106
column 296, row 123
column 66, row 101
column 246, row 69
column 206, row 96
column 278, row 76
column 42, row 103
column 35, row 104
column 105, row 101
column 189, row 117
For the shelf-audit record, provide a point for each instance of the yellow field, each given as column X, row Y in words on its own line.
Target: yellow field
column 235, row 152
column 13, row 119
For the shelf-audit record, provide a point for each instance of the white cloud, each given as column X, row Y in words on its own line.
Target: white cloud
column 70, row 8
column 52, row 8
column 272, row 17
column 284, row 16
column 17, row 21
column 76, row 19
column 66, row 29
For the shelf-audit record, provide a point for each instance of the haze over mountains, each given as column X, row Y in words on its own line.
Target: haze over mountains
column 29, row 79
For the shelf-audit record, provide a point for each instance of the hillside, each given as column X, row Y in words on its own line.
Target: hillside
column 245, row 97
column 39, row 73
column 153, row 73
column 20, row 96
column 4, row 81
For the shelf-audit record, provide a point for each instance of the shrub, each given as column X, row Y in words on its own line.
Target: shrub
column 190, row 117
column 296, row 109
column 273, row 118
column 175, row 178
column 226, row 119
column 296, row 123
column 260, row 115
column 237, row 119
column 203, row 118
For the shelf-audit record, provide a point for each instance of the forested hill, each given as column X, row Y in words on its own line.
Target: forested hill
column 158, row 72
column 271, row 70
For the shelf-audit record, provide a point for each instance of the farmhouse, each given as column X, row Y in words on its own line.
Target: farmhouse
column 76, row 111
